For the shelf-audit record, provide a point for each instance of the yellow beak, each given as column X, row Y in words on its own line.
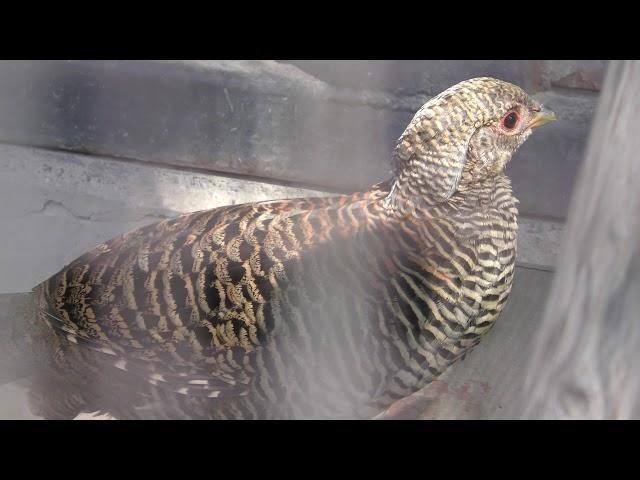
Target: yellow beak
column 542, row 117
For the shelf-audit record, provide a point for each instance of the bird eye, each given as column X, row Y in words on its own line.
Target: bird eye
column 510, row 120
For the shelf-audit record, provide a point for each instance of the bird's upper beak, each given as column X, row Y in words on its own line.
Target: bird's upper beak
column 542, row 117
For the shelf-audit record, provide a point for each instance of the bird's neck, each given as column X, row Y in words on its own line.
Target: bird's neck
column 481, row 196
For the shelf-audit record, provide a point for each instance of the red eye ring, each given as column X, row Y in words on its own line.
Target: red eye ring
column 510, row 120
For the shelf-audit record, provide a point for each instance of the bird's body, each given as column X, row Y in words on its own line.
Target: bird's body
column 308, row 308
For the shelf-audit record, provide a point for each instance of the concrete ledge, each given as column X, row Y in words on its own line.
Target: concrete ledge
column 14, row 401
column 538, row 243
column 57, row 205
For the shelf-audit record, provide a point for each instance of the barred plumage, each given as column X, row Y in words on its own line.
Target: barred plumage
column 306, row 308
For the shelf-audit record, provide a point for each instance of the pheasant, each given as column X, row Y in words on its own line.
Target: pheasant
column 306, row 308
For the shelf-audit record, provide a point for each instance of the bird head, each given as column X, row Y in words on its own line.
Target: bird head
column 462, row 136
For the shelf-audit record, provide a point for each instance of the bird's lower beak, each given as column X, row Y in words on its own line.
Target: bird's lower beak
column 542, row 117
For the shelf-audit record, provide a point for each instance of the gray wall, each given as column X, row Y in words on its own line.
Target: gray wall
column 329, row 124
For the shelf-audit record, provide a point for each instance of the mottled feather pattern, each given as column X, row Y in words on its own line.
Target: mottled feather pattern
column 204, row 319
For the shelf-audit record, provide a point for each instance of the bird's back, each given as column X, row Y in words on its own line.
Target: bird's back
column 189, row 306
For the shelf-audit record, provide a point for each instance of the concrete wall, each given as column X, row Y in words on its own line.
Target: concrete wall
column 89, row 150
column 327, row 124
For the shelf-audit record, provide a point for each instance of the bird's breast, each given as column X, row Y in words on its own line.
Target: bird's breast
column 447, row 297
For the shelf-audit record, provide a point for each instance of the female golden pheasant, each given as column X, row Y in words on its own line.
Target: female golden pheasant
column 306, row 308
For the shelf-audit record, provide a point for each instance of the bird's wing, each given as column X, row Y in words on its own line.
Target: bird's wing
column 181, row 303
column 424, row 293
